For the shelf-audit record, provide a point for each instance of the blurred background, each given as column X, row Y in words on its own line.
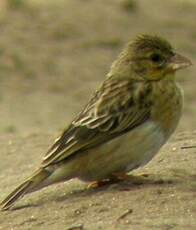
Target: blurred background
column 53, row 54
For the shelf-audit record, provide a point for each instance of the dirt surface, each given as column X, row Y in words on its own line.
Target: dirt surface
column 52, row 57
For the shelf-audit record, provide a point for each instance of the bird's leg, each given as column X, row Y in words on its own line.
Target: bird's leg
column 122, row 176
column 133, row 179
column 114, row 178
column 118, row 177
column 100, row 183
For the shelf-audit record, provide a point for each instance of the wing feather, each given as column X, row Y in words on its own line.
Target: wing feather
column 115, row 108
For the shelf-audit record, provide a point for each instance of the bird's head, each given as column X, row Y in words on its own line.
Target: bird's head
column 149, row 58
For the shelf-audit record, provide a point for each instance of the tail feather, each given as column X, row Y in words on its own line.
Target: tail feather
column 32, row 184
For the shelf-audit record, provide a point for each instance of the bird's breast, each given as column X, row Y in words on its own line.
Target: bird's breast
column 167, row 106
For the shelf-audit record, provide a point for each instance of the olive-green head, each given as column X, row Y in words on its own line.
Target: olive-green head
column 149, row 58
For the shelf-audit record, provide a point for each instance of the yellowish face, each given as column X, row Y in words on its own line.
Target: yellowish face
column 154, row 58
column 153, row 64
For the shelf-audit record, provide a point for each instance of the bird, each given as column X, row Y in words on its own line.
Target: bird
column 127, row 120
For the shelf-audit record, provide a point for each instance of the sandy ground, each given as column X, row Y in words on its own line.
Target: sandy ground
column 52, row 57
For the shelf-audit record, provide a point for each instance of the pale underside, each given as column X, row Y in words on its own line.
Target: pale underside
column 135, row 148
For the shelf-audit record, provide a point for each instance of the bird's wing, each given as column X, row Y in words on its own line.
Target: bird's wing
column 116, row 108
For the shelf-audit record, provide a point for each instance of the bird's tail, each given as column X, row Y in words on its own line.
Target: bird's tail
column 35, row 182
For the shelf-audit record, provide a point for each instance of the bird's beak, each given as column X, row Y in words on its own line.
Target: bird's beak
column 179, row 62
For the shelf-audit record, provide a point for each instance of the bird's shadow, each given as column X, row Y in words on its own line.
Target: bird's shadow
column 17, row 208
column 130, row 184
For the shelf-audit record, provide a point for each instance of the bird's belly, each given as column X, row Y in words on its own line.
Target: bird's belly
column 123, row 153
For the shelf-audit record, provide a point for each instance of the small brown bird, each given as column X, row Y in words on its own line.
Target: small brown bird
column 125, row 123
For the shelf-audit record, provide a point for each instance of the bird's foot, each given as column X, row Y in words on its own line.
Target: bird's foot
column 133, row 179
column 114, row 178
column 100, row 183
column 118, row 177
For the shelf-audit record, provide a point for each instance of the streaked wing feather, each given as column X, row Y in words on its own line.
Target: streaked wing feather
column 115, row 109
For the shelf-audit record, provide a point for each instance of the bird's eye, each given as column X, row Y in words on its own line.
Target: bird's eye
column 156, row 58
